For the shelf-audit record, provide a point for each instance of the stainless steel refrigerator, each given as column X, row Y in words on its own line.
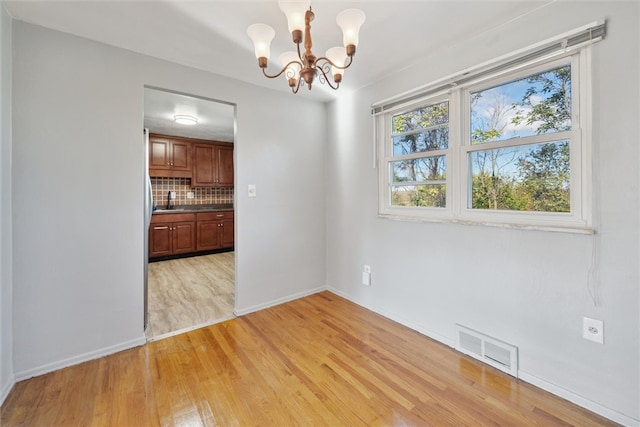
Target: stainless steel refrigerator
column 148, row 210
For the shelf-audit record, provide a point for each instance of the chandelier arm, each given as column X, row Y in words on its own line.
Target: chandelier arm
column 324, row 58
column 297, row 88
column 325, row 79
column 264, row 70
column 322, row 76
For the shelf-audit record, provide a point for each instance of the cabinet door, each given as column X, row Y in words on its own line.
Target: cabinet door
column 184, row 237
column 226, row 234
column 208, row 235
column 203, row 170
column 159, row 153
column 160, row 240
column 225, row 166
column 180, row 155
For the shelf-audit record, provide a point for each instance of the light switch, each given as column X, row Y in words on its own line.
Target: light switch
column 366, row 278
column 251, row 190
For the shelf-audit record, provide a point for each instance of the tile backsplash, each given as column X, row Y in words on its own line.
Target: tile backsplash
column 182, row 186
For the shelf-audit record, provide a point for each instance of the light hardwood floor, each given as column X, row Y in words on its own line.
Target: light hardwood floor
column 319, row 360
column 189, row 292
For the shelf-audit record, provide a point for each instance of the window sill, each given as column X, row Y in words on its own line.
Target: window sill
column 533, row 227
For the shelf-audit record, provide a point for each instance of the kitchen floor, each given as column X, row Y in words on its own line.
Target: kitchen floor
column 189, row 293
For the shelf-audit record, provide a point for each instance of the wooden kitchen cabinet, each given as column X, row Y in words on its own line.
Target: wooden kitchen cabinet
column 169, row 157
column 207, row 163
column 225, row 165
column 212, row 165
column 172, row 234
column 215, row 230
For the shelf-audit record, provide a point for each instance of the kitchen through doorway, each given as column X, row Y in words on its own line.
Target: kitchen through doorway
column 189, row 254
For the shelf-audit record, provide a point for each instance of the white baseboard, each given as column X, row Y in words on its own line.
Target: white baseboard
column 398, row 319
column 578, row 400
column 75, row 360
column 7, row 389
column 278, row 301
column 524, row 376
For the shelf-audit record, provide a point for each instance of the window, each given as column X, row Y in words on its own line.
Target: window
column 508, row 148
column 518, row 146
column 419, row 140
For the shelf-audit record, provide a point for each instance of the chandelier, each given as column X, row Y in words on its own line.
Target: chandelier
column 303, row 67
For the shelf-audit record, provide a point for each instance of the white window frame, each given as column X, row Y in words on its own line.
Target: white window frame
column 458, row 175
column 386, row 173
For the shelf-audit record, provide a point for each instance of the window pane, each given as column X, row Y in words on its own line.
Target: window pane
column 422, row 129
column 524, row 178
column 540, row 103
column 429, row 140
column 421, row 118
column 427, row 195
column 418, row 170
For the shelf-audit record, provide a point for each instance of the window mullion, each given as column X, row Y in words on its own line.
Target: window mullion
column 419, row 155
column 456, row 125
column 384, row 133
column 462, row 169
column 411, row 183
column 421, row 130
column 517, row 142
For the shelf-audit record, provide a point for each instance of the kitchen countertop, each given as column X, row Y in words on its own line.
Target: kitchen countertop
column 193, row 208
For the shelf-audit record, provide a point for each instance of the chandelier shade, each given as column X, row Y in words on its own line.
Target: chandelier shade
column 295, row 12
column 261, row 35
column 350, row 21
column 302, row 67
column 289, row 60
column 338, row 57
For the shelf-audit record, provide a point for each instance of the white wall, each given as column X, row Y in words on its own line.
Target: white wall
column 78, row 226
column 78, row 194
column 528, row 288
column 6, row 335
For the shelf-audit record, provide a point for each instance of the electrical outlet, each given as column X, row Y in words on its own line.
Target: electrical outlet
column 190, row 195
column 251, row 190
column 593, row 330
column 173, row 195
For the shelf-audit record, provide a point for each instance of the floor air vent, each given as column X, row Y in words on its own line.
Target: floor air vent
column 489, row 350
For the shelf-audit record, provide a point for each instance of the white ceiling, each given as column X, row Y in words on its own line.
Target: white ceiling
column 215, row 119
column 211, row 35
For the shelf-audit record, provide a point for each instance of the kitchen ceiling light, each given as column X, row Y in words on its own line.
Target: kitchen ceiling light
column 305, row 66
column 185, row 120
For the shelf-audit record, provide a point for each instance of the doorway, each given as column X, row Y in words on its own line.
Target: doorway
column 189, row 239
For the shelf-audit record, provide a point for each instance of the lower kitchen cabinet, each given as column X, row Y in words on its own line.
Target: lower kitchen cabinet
column 214, row 230
column 185, row 233
column 172, row 234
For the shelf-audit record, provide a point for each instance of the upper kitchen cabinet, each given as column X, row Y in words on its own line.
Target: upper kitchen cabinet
column 169, row 157
column 213, row 165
